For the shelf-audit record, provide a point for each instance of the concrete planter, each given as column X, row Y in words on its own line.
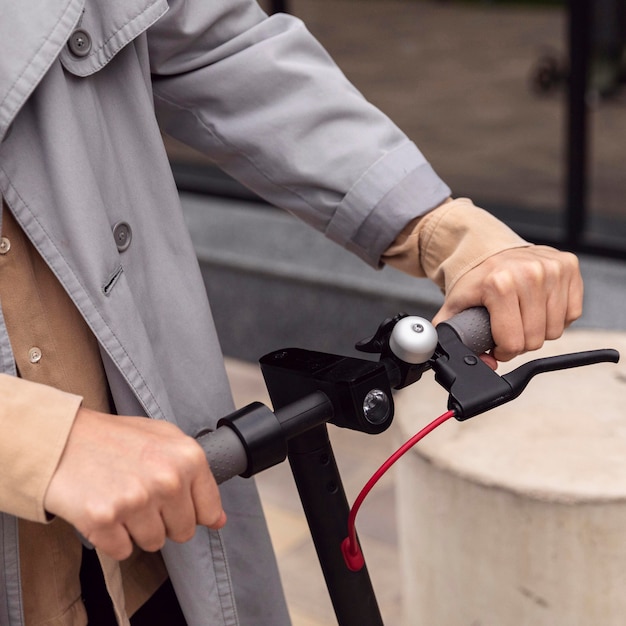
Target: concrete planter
column 518, row 517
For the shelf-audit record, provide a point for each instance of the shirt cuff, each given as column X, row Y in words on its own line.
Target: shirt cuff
column 449, row 241
column 35, row 423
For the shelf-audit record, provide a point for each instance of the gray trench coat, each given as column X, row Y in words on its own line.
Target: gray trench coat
column 86, row 86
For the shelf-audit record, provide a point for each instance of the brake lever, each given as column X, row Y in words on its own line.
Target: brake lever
column 474, row 387
column 409, row 346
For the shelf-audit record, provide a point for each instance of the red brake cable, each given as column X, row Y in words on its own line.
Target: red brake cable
column 350, row 546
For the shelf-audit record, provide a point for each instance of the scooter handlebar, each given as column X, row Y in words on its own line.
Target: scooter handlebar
column 225, row 453
column 473, row 327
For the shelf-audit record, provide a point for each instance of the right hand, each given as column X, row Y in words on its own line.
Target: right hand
column 532, row 294
column 130, row 479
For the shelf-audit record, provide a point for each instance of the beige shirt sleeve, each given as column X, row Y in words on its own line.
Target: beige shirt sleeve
column 448, row 242
column 60, row 369
column 32, row 447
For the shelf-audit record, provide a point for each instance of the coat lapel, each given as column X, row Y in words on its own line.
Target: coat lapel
column 32, row 33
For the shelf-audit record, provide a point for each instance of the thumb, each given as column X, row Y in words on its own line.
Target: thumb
column 448, row 311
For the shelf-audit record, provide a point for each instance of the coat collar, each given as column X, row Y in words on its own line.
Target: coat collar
column 32, row 32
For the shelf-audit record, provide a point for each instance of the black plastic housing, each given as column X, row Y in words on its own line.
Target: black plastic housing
column 293, row 373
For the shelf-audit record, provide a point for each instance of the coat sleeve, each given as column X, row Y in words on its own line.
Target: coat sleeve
column 35, row 422
column 262, row 98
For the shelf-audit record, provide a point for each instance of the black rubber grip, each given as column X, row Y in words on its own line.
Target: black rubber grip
column 473, row 328
column 225, row 453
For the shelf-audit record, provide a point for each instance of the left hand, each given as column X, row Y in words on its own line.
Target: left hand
column 124, row 480
column 532, row 294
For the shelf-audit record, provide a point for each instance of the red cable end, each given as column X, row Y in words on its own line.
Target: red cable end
column 352, row 555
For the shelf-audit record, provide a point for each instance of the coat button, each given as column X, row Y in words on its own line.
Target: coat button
column 34, row 355
column 122, row 234
column 5, row 245
column 79, row 43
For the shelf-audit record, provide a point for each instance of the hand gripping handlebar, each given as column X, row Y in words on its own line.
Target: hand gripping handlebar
column 473, row 386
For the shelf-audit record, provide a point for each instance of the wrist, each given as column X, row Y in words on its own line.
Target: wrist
column 448, row 242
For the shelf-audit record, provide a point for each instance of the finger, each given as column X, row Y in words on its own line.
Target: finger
column 540, row 286
column 457, row 301
column 489, row 360
column 508, row 335
column 208, row 503
column 546, row 284
column 114, row 541
column 565, row 296
column 507, row 325
column 220, row 521
column 147, row 530
column 564, row 307
column 444, row 313
column 557, row 307
column 191, row 496
column 575, row 297
column 534, row 311
column 180, row 520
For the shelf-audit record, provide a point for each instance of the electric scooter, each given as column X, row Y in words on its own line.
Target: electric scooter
column 310, row 389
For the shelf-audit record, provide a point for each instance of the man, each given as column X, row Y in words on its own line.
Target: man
column 105, row 320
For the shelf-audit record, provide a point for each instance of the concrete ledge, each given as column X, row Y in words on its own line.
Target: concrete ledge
column 517, row 517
